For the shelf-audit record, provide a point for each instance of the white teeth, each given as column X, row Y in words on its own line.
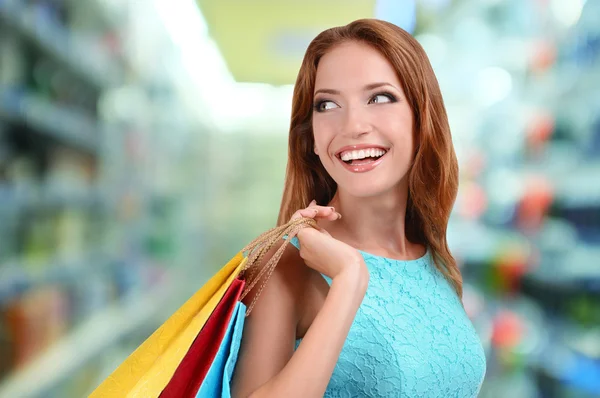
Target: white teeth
column 361, row 154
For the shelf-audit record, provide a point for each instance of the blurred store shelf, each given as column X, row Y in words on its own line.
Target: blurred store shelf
column 32, row 204
column 68, row 126
column 85, row 245
column 571, row 356
column 97, row 333
column 18, row 276
column 74, row 54
column 111, row 13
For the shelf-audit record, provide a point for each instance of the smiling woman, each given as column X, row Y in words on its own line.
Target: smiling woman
column 370, row 304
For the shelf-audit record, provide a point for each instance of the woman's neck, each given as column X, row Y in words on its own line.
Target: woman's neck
column 374, row 224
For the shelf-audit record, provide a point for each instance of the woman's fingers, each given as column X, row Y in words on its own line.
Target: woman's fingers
column 315, row 211
column 318, row 212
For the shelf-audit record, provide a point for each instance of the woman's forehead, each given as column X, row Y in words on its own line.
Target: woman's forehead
column 353, row 65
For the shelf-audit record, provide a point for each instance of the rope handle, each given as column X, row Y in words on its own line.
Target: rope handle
column 252, row 272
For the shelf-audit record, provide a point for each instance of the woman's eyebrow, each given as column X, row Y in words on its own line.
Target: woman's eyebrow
column 368, row 87
column 373, row 86
column 327, row 91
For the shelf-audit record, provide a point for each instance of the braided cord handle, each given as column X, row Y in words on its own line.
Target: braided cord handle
column 252, row 271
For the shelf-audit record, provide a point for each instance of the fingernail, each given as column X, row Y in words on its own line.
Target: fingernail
column 314, row 202
column 339, row 215
column 332, row 208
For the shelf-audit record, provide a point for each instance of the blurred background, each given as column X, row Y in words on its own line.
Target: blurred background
column 144, row 142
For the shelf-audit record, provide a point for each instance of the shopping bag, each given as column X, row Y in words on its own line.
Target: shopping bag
column 148, row 370
column 218, row 379
column 195, row 365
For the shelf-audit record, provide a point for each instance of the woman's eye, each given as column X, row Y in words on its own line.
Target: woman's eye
column 325, row 106
column 381, row 99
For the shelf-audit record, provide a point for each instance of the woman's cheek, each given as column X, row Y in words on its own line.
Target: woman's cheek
column 323, row 133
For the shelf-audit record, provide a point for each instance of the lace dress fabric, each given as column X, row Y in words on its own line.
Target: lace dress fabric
column 410, row 338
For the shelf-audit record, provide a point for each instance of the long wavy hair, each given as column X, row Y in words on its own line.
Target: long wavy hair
column 433, row 177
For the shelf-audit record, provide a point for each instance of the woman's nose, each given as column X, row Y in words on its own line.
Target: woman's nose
column 356, row 122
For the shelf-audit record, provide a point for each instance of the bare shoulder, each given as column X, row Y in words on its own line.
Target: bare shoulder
column 288, row 280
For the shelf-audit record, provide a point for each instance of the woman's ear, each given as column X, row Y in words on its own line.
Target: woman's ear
column 315, row 150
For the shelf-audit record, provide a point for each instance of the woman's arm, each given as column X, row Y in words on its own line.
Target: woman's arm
column 267, row 364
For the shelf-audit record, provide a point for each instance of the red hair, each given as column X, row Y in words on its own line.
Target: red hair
column 433, row 177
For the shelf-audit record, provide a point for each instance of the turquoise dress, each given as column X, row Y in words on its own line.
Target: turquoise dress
column 410, row 338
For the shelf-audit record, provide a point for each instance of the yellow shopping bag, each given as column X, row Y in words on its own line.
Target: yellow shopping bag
column 146, row 372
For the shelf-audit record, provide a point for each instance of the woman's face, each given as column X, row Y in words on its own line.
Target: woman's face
column 361, row 113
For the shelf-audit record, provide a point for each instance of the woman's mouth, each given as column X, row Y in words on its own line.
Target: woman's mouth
column 362, row 160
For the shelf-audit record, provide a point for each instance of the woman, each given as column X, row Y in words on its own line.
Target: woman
column 373, row 297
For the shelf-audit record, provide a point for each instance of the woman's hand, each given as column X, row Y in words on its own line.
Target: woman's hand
column 323, row 253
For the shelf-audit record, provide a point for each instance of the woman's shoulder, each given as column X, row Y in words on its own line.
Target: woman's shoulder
column 284, row 285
